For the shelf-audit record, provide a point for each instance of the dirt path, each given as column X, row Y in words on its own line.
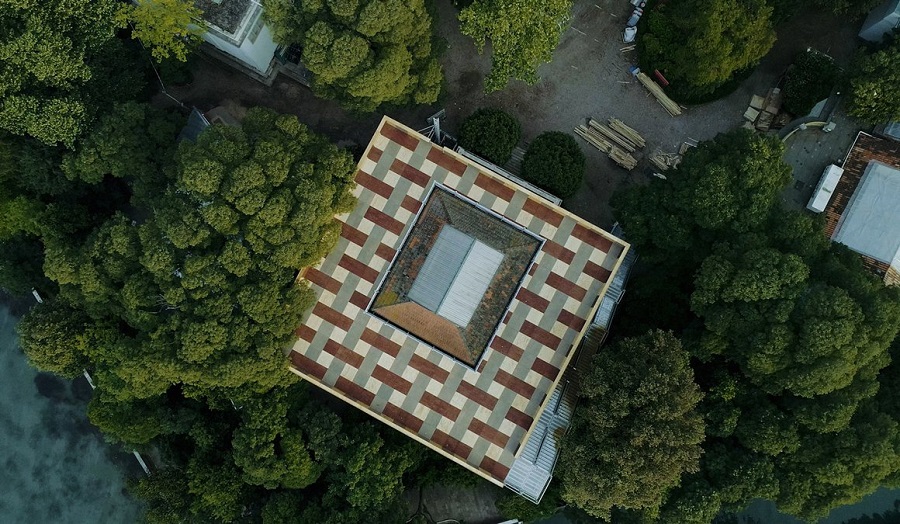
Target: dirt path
column 587, row 77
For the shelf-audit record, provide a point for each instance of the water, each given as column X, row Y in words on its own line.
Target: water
column 54, row 466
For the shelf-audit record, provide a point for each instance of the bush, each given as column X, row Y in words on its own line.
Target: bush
column 554, row 162
column 809, row 81
column 491, row 133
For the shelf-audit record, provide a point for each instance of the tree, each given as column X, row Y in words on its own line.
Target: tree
column 205, row 288
column 54, row 337
column 722, row 188
column 637, row 431
column 363, row 53
column 491, row 133
column 809, row 81
column 167, row 27
column 523, row 35
column 875, row 85
column 554, row 161
column 133, row 140
column 789, row 335
column 700, row 44
column 268, row 451
column 57, row 62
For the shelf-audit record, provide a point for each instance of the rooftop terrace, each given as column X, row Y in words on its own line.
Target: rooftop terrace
column 495, row 288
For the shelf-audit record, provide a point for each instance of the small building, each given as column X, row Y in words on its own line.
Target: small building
column 452, row 306
column 236, row 28
column 864, row 211
column 881, row 21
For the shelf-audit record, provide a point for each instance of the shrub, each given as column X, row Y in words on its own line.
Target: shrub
column 809, row 81
column 491, row 133
column 554, row 162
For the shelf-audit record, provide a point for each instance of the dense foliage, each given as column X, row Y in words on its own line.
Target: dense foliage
column 180, row 296
column 363, row 53
column 523, row 35
column 554, row 161
column 59, row 63
column 699, row 45
column 788, row 334
column 170, row 28
column 491, row 133
column 875, row 85
column 637, row 429
column 809, row 81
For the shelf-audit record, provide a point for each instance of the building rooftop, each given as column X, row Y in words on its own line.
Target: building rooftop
column 224, row 14
column 863, row 213
column 453, row 301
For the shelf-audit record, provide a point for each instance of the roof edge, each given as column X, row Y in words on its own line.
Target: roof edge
column 503, row 180
column 381, row 418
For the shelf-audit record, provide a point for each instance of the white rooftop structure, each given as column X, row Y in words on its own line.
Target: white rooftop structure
column 822, row 195
column 869, row 225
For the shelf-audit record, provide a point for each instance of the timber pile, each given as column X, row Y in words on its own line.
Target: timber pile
column 654, row 88
column 609, row 146
column 665, row 161
column 612, row 135
column 633, row 136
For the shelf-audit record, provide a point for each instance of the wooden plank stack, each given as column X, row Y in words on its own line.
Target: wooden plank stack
column 617, row 140
column 619, row 127
column 665, row 161
column 673, row 108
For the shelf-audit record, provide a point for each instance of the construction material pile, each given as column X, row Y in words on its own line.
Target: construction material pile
column 670, row 105
column 666, row 161
column 763, row 110
column 617, row 140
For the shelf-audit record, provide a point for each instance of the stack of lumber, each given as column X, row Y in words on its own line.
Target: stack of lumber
column 626, row 144
column 606, row 144
column 630, row 134
column 657, row 92
column 665, row 161
column 762, row 110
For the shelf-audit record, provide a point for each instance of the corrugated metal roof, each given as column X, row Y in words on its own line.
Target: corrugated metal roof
column 869, row 225
column 455, row 275
column 472, row 280
column 615, row 291
column 440, row 268
column 531, row 472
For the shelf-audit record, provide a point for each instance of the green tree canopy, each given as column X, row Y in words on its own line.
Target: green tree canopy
column 363, row 53
column 637, row 431
column 810, row 80
column 875, row 85
column 57, row 65
column 491, row 133
column 554, row 161
column 700, row 44
column 788, row 333
column 523, row 35
column 723, row 187
column 54, row 338
column 133, row 140
column 168, row 27
column 205, row 286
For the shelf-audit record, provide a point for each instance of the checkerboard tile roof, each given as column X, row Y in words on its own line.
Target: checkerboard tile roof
column 865, row 149
column 479, row 418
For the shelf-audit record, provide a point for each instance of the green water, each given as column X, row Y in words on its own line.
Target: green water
column 54, row 466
